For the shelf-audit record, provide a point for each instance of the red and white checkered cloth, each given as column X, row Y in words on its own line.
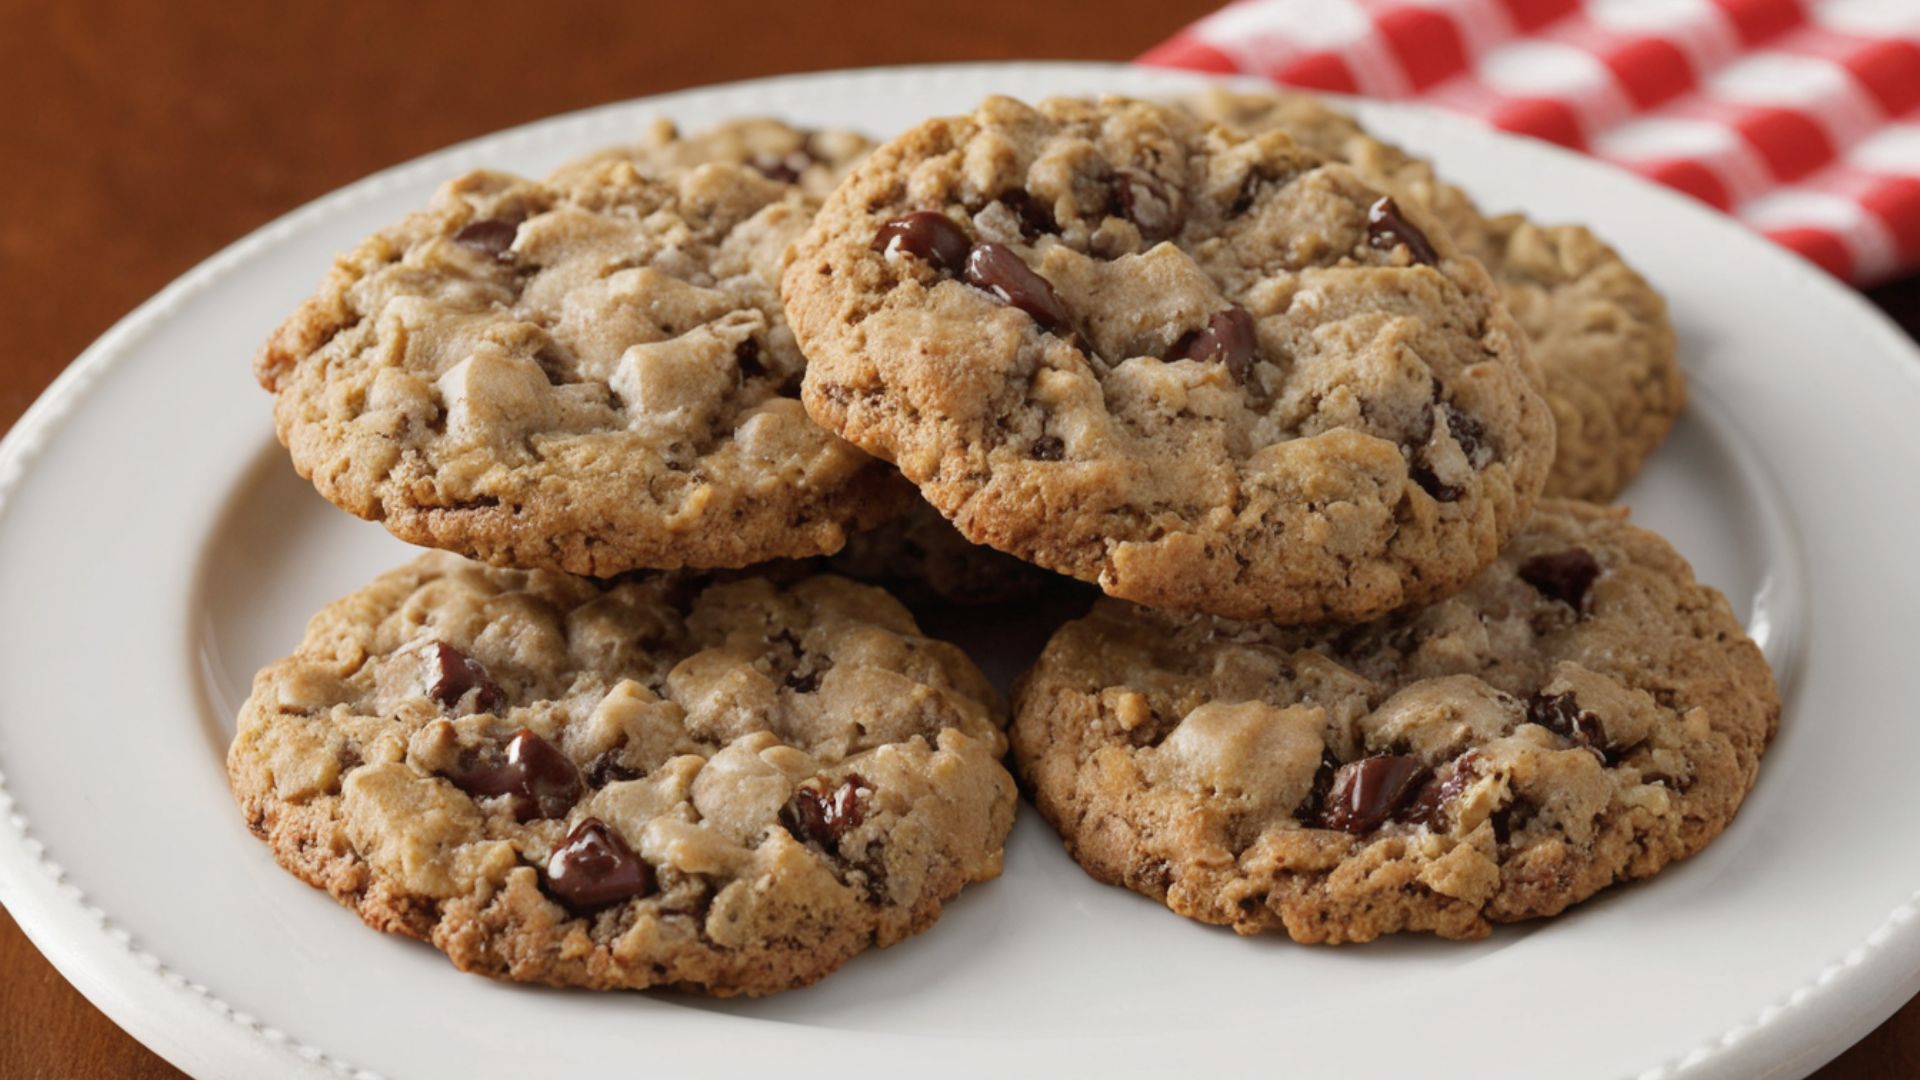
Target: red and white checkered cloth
column 1800, row 118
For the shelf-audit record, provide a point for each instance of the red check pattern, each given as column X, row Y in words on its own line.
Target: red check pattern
column 1799, row 117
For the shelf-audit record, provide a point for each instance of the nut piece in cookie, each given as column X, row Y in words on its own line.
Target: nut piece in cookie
column 590, row 374
column 731, row 786
column 1207, row 370
column 1583, row 713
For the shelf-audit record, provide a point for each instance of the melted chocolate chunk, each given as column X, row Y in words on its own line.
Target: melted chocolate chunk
column 1386, row 230
column 927, row 235
column 541, row 780
column 996, row 269
column 1430, row 804
column 454, row 673
column 1367, row 792
column 1562, row 715
column 1564, row 575
column 747, row 356
column 825, row 817
column 1036, row 220
column 1430, row 482
column 786, row 168
column 1047, row 448
column 593, row 867
column 803, row 683
column 491, row 235
column 1228, row 338
column 1471, row 435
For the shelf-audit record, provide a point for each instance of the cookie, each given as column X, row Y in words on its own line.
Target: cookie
column 1599, row 331
column 1584, row 713
column 922, row 558
column 730, row 786
column 815, row 160
column 1207, row 371
column 591, row 375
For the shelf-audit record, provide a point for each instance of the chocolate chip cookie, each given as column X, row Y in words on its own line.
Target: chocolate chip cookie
column 1599, row 331
column 1583, row 713
column 590, row 374
column 1207, row 370
column 815, row 160
column 724, row 785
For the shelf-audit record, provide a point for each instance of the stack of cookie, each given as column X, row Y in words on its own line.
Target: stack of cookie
column 1284, row 396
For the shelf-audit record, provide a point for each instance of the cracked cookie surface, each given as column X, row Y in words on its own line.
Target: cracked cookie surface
column 1583, row 713
column 1204, row 370
column 1598, row 330
column 724, row 785
column 590, row 374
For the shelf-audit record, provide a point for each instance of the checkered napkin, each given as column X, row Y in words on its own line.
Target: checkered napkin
column 1802, row 119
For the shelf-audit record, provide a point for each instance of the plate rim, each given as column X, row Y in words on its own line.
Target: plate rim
column 1815, row 1017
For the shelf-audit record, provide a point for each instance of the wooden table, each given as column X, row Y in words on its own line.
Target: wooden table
column 140, row 138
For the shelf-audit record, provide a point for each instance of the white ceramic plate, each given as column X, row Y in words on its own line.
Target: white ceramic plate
column 155, row 548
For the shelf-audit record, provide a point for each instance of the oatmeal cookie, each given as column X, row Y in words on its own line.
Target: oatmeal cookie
column 1584, row 713
column 724, row 785
column 591, row 374
column 1208, row 371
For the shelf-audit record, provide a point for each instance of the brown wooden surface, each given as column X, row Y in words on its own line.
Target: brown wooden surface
column 137, row 139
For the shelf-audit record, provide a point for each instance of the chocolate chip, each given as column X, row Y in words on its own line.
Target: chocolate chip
column 1228, row 338
column 593, row 867
column 1430, row 482
column 609, row 769
column 552, row 784
column 1429, row 805
column 1562, row 715
column 927, row 235
column 1310, row 808
column 491, row 235
column 1471, row 435
column 1036, row 219
column 1513, row 817
column 747, row 356
column 1563, row 575
column 1386, row 230
column 786, row 168
column 803, row 682
column 1141, row 197
column 825, row 817
column 1367, row 792
column 1047, row 448
column 996, row 269
column 454, row 673
column 541, row 779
